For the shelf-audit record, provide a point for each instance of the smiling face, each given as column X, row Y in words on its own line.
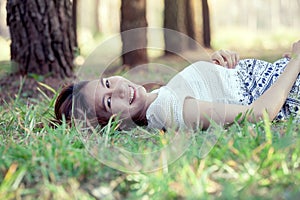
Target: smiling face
column 117, row 95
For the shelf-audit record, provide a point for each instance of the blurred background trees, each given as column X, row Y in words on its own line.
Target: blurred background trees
column 179, row 15
column 206, row 24
column 133, row 16
column 235, row 24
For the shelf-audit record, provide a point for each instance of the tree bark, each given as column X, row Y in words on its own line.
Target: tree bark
column 43, row 38
column 98, row 16
column 74, row 22
column 173, row 42
column 133, row 16
column 190, row 24
column 206, row 24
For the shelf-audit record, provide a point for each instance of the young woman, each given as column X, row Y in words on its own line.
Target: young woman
column 203, row 92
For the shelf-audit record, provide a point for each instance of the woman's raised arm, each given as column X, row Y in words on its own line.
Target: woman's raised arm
column 273, row 99
column 199, row 113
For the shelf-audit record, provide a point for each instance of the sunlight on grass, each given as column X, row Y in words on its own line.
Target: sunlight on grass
column 42, row 161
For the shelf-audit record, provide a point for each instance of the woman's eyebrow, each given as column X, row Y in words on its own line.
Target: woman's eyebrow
column 101, row 81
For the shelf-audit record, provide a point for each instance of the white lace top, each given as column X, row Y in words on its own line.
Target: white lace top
column 201, row 80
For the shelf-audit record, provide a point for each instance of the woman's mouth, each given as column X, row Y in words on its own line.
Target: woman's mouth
column 132, row 95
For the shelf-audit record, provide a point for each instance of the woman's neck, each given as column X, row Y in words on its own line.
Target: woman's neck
column 142, row 119
column 150, row 98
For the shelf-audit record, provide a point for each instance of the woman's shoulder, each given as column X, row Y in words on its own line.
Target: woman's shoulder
column 164, row 96
column 156, row 113
column 165, row 110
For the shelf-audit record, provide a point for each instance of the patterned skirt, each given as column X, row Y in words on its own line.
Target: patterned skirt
column 257, row 76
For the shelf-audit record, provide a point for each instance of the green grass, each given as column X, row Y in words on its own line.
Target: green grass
column 248, row 161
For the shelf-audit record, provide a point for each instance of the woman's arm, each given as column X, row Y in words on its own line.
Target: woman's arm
column 195, row 111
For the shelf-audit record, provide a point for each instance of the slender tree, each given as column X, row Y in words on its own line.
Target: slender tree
column 173, row 42
column 42, row 36
column 179, row 16
column 190, row 23
column 98, row 15
column 74, row 21
column 206, row 24
column 133, row 16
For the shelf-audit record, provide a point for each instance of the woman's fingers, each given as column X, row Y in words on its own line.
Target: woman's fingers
column 232, row 58
column 217, row 58
column 225, row 58
column 286, row 55
column 237, row 59
column 296, row 48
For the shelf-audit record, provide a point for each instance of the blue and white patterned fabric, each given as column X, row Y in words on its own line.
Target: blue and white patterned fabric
column 257, row 76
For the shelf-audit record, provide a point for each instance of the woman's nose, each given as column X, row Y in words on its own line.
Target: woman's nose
column 119, row 91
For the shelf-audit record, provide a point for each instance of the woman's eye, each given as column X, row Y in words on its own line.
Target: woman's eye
column 109, row 102
column 107, row 83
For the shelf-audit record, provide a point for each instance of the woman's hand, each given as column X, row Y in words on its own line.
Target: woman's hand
column 295, row 51
column 295, row 54
column 225, row 58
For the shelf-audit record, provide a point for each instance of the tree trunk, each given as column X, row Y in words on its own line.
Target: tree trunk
column 98, row 15
column 206, row 24
column 173, row 41
column 43, row 38
column 74, row 21
column 190, row 23
column 133, row 16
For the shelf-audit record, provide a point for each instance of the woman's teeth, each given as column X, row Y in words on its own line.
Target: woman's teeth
column 131, row 95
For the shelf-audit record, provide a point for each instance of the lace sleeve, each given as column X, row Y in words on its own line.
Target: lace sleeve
column 167, row 110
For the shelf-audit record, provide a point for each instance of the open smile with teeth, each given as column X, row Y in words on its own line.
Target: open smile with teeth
column 132, row 95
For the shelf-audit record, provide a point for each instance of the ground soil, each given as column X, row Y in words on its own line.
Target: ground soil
column 28, row 87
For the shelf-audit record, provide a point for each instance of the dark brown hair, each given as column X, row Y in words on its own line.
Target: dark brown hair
column 71, row 103
column 64, row 102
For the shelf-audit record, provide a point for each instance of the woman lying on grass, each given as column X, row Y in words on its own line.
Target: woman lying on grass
column 203, row 92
